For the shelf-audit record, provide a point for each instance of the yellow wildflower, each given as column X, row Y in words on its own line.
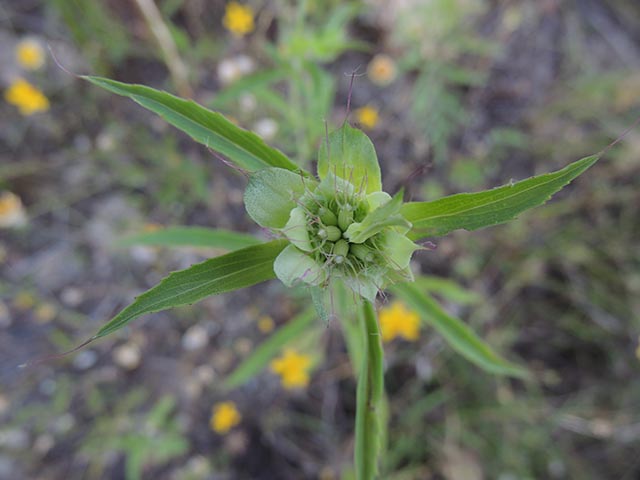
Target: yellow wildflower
column 224, row 416
column 24, row 301
column 397, row 320
column 367, row 117
column 265, row 324
column 382, row 69
column 26, row 97
column 238, row 19
column 293, row 369
column 30, row 55
column 12, row 212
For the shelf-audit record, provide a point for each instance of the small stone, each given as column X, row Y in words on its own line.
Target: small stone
column 7, row 469
column 243, row 346
column 43, row 444
column 267, row 128
column 127, row 356
column 72, row 296
column 248, row 103
column 205, row 374
column 47, row 386
column 198, row 466
column 14, row 439
column 4, row 404
column 143, row 254
column 236, row 442
column 222, row 360
column 193, row 388
column 105, row 141
column 85, row 359
column 5, row 315
column 601, row 428
column 195, row 338
column 64, row 423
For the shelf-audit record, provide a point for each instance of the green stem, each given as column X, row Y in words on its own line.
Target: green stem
column 369, row 399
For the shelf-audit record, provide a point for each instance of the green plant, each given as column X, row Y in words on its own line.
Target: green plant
column 152, row 439
column 294, row 89
column 338, row 233
column 444, row 55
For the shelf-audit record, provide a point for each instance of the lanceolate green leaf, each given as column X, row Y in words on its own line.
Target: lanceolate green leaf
column 232, row 271
column 349, row 154
column 258, row 360
column 242, row 147
column 191, row 237
column 457, row 334
column 471, row 211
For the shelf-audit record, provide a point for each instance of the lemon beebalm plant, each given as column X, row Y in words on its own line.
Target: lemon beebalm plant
column 337, row 230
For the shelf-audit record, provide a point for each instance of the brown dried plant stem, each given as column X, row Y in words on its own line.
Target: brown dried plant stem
column 160, row 31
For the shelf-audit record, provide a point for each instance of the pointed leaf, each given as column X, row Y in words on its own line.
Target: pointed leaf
column 242, row 147
column 296, row 230
column 398, row 249
column 268, row 349
column 471, row 211
column 232, row 271
column 457, row 334
column 387, row 215
column 294, row 266
column 271, row 195
column 351, row 156
column 190, row 237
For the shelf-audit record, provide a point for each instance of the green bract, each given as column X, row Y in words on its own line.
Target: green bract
column 342, row 227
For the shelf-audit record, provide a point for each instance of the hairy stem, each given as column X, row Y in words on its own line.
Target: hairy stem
column 369, row 399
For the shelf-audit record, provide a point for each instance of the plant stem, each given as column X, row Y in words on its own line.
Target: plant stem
column 162, row 34
column 369, row 399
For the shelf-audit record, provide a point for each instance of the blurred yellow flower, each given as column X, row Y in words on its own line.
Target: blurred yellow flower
column 26, row 97
column 367, row 117
column 265, row 324
column 12, row 212
column 224, row 416
column 151, row 227
column 238, row 19
column 29, row 54
column 45, row 312
column 24, row 301
column 382, row 69
column 293, row 369
column 397, row 320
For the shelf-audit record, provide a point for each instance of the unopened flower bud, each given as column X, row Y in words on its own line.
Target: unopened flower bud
column 327, row 216
column 361, row 252
column 341, row 248
column 333, row 233
column 345, row 218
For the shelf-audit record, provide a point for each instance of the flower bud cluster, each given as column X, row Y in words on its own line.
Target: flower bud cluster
column 328, row 221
